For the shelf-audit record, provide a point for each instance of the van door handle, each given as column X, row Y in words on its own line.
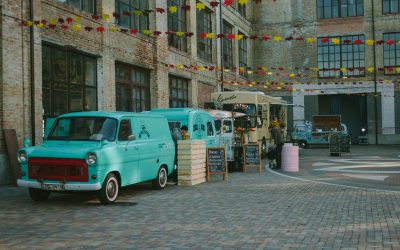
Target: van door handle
column 162, row 145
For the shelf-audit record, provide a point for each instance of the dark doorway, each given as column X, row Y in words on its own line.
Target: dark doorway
column 351, row 108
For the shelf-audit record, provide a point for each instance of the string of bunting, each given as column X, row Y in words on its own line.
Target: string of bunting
column 263, row 70
column 74, row 24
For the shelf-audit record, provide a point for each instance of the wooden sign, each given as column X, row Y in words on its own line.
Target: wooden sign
column 251, row 156
column 10, row 137
column 216, row 162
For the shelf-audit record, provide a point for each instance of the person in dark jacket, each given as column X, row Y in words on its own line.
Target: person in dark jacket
column 276, row 135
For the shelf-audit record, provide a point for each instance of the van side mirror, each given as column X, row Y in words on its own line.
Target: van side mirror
column 27, row 142
column 131, row 138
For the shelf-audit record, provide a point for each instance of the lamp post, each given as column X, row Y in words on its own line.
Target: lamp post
column 375, row 85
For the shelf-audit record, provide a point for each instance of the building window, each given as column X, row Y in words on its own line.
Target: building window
column 178, row 92
column 345, row 53
column 391, row 6
column 242, row 9
column 204, row 45
column 177, row 22
column 339, row 8
column 391, row 53
column 227, row 53
column 243, row 56
column 132, row 88
column 69, row 81
column 129, row 19
column 85, row 5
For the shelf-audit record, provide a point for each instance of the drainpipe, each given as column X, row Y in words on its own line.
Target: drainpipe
column 32, row 78
column 221, row 44
column 375, row 85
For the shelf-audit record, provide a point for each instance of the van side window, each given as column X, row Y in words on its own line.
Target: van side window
column 210, row 129
column 125, row 130
column 227, row 128
column 195, row 127
column 218, row 126
column 203, row 128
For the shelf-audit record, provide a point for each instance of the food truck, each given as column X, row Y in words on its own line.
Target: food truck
column 260, row 110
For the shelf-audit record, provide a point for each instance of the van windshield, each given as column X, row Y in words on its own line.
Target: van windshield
column 84, row 129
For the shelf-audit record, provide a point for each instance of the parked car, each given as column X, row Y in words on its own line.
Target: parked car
column 98, row 151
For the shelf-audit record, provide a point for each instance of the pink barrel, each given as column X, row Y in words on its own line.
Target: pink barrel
column 290, row 158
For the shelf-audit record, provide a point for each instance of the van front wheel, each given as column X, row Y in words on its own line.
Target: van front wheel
column 109, row 191
column 38, row 194
column 161, row 181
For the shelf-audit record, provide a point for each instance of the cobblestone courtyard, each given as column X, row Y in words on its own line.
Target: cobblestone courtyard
column 248, row 211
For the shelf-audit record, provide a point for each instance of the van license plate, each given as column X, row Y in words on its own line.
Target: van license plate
column 53, row 187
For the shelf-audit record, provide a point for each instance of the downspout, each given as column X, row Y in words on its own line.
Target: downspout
column 32, row 77
column 375, row 85
column 221, row 44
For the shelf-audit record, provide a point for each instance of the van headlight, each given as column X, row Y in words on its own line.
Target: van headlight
column 91, row 158
column 22, row 156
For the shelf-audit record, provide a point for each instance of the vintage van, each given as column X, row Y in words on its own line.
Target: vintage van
column 200, row 124
column 98, row 151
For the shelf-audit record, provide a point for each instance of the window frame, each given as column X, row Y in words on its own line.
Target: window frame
column 131, row 84
column 132, row 7
column 227, row 46
column 68, row 2
column 342, row 54
column 339, row 6
column 243, row 55
column 390, row 49
column 204, row 24
column 390, row 9
column 178, row 19
column 51, row 86
column 185, row 87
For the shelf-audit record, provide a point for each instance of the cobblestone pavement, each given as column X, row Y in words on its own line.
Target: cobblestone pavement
column 248, row 211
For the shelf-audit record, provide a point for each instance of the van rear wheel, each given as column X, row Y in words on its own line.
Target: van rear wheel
column 38, row 194
column 110, row 189
column 162, row 177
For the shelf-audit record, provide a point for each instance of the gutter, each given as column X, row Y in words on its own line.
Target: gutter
column 32, row 75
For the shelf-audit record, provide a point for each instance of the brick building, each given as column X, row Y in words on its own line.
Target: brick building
column 351, row 93
column 91, row 70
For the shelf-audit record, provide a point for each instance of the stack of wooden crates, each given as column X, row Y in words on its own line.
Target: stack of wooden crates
column 191, row 162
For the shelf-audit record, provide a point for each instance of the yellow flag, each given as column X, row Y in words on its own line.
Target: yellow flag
column 179, row 33
column 173, row 9
column 179, row 66
column 29, row 23
column 202, row 68
column 344, row 70
column 77, row 19
column 146, row 32
column 105, row 16
column 76, row 27
column 277, row 38
column 40, row 25
column 315, row 69
column 137, row 12
column 398, row 69
column 264, row 68
column 369, row 42
column 249, row 72
column 269, row 73
column 113, row 29
column 335, row 40
column 310, row 40
column 239, row 37
column 241, row 2
column 200, row 6
column 53, row 21
column 370, row 69
column 292, row 75
column 210, row 35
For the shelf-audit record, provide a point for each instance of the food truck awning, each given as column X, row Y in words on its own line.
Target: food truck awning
column 224, row 114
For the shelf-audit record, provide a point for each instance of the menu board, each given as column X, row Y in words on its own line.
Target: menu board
column 251, row 156
column 216, row 162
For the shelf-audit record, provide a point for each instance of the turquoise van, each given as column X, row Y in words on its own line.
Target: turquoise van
column 200, row 124
column 98, row 151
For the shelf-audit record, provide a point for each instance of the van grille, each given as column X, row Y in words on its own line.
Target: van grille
column 58, row 169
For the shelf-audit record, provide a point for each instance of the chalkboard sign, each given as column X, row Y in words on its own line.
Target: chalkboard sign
column 216, row 162
column 334, row 144
column 251, row 156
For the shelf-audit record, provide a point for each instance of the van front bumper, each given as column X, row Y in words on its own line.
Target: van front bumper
column 66, row 186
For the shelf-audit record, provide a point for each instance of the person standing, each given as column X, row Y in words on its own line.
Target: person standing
column 276, row 135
